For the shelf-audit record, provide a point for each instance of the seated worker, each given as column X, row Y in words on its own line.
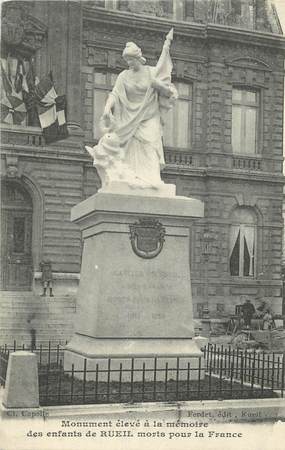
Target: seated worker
column 262, row 309
column 268, row 322
column 265, row 314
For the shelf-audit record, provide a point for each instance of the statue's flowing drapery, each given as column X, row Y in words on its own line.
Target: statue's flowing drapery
column 139, row 109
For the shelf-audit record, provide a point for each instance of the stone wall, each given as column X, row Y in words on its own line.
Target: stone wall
column 54, row 176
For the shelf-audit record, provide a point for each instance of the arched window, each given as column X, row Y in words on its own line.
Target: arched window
column 242, row 243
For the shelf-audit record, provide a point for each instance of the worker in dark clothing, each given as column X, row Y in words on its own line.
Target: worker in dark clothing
column 248, row 311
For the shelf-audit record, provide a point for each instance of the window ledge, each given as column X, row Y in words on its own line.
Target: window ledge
column 59, row 276
column 247, row 155
column 21, row 129
column 243, row 278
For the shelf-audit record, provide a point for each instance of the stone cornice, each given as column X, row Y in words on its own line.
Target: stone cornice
column 71, row 152
column 189, row 29
column 114, row 46
column 246, row 175
column 66, row 157
column 131, row 20
column 227, row 174
column 20, row 141
column 58, row 154
column 245, row 36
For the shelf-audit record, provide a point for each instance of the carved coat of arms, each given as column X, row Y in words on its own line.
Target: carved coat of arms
column 147, row 237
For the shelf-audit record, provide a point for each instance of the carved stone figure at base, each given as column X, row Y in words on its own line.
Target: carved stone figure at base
column 108, row 158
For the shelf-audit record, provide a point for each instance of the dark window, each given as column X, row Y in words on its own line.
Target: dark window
column 234, row 258
column 167, row 7
column 243, row 243
column 189, row 9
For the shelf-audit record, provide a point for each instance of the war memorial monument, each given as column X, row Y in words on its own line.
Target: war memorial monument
column 134, row 297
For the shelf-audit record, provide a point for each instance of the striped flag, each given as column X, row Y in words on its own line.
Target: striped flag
column 51, row 110
column 13, row 109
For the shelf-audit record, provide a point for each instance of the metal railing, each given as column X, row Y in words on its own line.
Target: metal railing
column 249, row 368
column 48, row 355
column 222, row 373
column 227, row 374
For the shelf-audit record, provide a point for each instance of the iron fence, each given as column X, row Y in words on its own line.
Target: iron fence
column 249, row 367
column 227, row 373
column 222, row 373
column 48, row 354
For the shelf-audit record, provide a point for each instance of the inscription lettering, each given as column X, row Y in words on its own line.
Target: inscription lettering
column 138, row 300
column 149, row 274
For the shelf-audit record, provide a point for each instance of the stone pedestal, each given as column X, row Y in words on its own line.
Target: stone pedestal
column 132, row 304
column 22, row 386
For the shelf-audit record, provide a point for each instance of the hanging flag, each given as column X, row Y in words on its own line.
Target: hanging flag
column 61, row 116
column 163, row 70
column 13, row 109
column 29, row 80
column 12, row 68
column 45, row 90
column 20, row 82
column 51, row 110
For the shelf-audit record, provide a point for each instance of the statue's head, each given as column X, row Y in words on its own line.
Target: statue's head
column 132, row 54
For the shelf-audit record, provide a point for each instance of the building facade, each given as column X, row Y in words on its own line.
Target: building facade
column 222, row 144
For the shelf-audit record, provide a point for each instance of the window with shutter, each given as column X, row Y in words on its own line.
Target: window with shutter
column 242, row 243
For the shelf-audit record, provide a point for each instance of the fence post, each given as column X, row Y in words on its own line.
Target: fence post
column 154, row 378
column 22, row 381
column 252, row 373
column 282, row 376
column 273, row 372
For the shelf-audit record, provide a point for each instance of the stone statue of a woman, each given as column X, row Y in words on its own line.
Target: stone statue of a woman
column 134, row 111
